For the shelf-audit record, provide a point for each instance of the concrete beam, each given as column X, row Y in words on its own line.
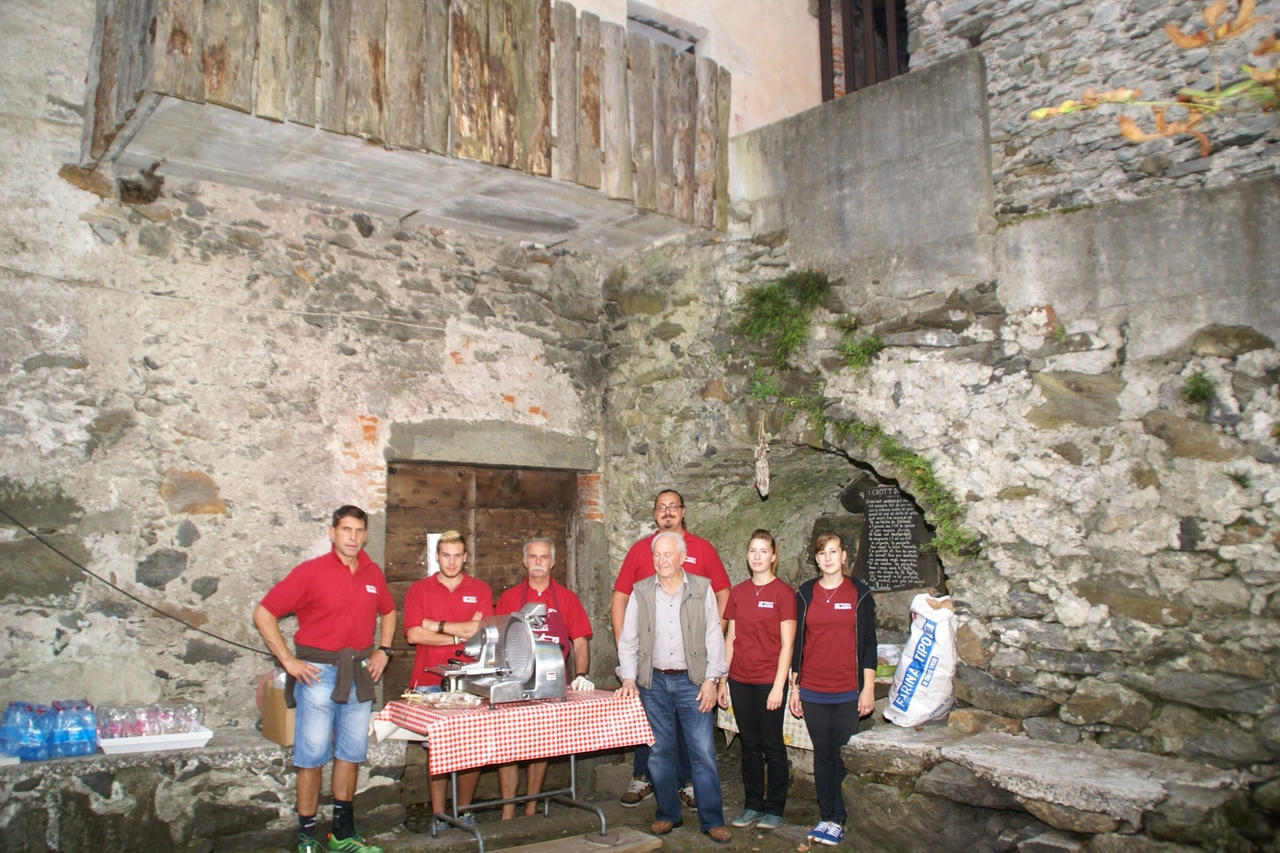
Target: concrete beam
column 889, row 188
column 206, row 142
column 1176, row 263
column 490, row 443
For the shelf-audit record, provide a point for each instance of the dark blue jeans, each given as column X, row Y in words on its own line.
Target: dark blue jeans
column 640, row 763
column 762, row 746
column 830, row 727
column 668, row 700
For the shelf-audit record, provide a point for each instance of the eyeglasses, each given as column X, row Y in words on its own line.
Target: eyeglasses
column 666, row 507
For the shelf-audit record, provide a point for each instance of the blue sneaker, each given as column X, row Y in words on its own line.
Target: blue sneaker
column 748, row 817
column 769, row 822
column 827, row 833
column 819, row 832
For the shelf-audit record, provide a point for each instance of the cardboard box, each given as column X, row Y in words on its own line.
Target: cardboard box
column 277, row 720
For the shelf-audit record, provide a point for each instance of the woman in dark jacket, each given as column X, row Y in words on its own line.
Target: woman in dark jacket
column 834, row 668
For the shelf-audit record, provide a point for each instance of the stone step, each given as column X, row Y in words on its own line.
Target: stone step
column 1081, row 788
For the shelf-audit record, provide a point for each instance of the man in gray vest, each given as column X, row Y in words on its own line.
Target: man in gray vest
column 671, row 653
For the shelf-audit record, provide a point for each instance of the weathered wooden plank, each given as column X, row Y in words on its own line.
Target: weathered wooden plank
column 615, row 115
column 335, row 33
column 175, row 66
column 684, row 142
column 724, row 107
column 367, row 69
column 135, row 60
column 103, row 82
column 664, row 128
column 589, row 101
column 640, row 89
column 533, row 96
column 629, row 841
column 304, row 61
column 406, row 64
column 498, row 488
column 436, row 76
column 566, row 36
column 704, row 164
column 506, row 25
column 469, row 79
column 229, row 37
column 273, row 59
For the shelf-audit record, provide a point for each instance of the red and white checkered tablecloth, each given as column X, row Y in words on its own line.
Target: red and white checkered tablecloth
column 587, row 721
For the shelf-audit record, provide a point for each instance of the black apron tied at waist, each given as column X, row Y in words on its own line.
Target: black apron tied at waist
column 350, row 663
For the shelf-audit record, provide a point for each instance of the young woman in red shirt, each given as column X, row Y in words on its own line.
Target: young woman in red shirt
column 761, row 612
column 833, row 671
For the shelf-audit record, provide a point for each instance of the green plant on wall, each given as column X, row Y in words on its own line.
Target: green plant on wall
column 1198, row 390
column 1240, row 478
column 777, row 314
column 857, row 350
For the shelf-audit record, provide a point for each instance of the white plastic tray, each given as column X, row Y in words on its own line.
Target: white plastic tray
column 156, row 743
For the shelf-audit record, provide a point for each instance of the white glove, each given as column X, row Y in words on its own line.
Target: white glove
column 582, row 683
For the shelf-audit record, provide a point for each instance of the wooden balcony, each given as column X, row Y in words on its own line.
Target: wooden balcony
column 507, row 115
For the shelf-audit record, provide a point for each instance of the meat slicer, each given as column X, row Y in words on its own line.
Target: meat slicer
column 511, row 664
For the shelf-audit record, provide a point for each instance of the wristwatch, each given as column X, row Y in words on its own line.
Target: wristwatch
column 715, row 681
column 386, row 650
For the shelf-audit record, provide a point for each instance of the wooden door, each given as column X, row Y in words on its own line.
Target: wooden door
column 496, row 509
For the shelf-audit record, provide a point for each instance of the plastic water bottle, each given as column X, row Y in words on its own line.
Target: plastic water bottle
column 74, row 729
column 26, row 730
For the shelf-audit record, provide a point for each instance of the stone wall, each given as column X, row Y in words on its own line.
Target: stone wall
column 1125, row 589
column 235, row 793
column 197, row 375
column 1041, row 52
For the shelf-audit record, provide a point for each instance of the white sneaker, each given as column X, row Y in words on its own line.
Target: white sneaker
column 639, row 789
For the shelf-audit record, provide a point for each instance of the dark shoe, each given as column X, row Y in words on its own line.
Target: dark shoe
column 719, row 834
column 663, row 827
column 639, row 789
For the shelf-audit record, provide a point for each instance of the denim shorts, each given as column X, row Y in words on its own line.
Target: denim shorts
column 325, row 729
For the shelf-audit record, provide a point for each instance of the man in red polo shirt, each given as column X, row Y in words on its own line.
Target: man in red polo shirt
column 700, row 559
column 338, row 599
column 441, row 612
column 567, row 625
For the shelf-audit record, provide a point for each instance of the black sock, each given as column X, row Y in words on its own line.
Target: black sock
column 307, row 826
column 344, row 819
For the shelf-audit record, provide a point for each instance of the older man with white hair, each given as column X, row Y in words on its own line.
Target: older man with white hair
column 671, row 653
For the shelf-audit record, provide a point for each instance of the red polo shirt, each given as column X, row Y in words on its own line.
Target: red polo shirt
column 336, row 608
column 757, row 613
column 700, row 559
column 430, row 600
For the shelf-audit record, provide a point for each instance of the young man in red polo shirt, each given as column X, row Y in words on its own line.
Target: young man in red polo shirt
column 441, row 612
column 700, row 559
column 567, row 625
column 338, row 599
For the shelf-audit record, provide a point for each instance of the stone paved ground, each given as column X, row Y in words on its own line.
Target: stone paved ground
column 801, row 814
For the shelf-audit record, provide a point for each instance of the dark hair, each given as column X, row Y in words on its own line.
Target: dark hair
column 349, row 511
column 669, row 492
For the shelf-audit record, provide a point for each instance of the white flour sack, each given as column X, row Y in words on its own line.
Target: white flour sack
column 922, row 683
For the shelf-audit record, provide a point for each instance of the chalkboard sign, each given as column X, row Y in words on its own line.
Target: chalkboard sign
column 890, row 557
